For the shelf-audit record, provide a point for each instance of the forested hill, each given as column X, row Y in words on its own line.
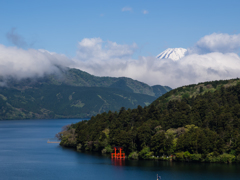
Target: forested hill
column 192, row 123
column 72, row 94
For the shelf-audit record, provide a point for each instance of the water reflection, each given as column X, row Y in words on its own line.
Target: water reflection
column 118, row 162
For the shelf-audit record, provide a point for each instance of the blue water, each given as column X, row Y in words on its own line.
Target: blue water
column 26, row 155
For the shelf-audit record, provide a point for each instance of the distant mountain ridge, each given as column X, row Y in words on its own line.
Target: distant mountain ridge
column 76, row 77
column 73, row 94
column 172, row 53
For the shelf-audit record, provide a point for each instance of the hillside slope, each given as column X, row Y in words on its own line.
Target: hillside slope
column 194, row 90
column 192, row 123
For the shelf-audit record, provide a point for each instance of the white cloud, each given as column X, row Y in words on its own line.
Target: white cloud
column 106, row 58
column 20, row 63
column 193, row 68
column 190, row 69
column 126, row 8
column 224, row 43
column 97, row 49
column 199, row 68
column 145, row 12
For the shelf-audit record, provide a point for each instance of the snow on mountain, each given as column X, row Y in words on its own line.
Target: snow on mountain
column 172, row 53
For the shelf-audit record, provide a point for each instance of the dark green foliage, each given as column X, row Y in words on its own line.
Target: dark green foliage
column 159, row 143
column 200, row 141
column 205, row 127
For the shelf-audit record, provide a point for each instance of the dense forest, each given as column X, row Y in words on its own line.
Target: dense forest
column 192, row 123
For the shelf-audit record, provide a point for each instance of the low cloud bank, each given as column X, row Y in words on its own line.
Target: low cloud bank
column 19, row 63
column 188, row 70
column 213, row 57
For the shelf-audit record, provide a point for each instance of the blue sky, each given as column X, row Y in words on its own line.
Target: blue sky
column 121, row 38
column 59, row 25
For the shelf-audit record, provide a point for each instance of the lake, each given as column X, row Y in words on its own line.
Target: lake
column 26, row 155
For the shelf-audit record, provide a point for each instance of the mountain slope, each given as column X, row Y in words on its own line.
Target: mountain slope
column 76, row 77
column 72, row 94
column 52, row 101
column 172, row 53
column 160, row 90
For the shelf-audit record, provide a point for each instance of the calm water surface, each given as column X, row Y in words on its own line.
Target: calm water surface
column 26, row 155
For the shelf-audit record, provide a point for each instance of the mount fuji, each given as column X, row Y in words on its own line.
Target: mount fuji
column 172, row 53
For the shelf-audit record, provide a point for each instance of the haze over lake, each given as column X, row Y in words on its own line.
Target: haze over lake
column 26, row 155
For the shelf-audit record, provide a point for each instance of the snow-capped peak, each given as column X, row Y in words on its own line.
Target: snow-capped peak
column 172, row 53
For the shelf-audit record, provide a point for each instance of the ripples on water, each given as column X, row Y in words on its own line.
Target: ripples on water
column 26, row 155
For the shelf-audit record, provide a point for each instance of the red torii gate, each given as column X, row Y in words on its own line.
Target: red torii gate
column 119, row 155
